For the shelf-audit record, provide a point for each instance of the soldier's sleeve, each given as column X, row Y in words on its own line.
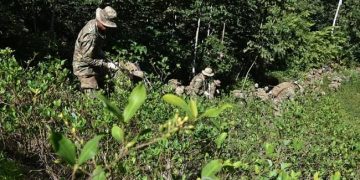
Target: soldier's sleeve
column 197, row 85
column 212, row 89
column 87, row 49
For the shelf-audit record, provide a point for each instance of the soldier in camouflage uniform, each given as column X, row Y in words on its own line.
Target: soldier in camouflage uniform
column 285, row 90
column 175, row 86
column 213, row 89
column 89, row 62
column 200, row 83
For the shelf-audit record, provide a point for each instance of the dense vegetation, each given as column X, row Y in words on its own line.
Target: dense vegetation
column 42, row 109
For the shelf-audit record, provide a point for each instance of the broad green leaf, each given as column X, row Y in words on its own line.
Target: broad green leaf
column 89, row 150
column 111, row 107
column 177, row 101
column 117, row 133
column 336, row 176
column 214, row 112
column 211, row 169
column 136, row 99
column 63, row 147
column 193, row 108
column 220, row 139
column 98, row 174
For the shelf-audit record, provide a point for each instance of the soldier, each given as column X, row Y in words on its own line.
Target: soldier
column 200, row 83
column 285, row 90
column 89, row 62
column 176, row 87
column 213, row 89
column 261, row 93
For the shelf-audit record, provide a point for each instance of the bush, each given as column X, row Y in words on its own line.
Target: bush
column 287, row 40
column 308, row 140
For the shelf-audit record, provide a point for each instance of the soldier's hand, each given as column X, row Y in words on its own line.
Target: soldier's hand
column 112, row 66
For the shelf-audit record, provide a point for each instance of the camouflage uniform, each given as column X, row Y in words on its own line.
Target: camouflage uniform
column 285, row 90
column 198, row 85
column 212, row 89
column 175, row 86
column 89, row 59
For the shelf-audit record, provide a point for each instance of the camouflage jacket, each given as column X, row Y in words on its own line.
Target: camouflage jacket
column 88, row 53
column 198, row 85
column 212, row 90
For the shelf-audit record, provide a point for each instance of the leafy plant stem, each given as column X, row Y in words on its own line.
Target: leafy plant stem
column 76, row 167
column 247, row 73
column 125, row 151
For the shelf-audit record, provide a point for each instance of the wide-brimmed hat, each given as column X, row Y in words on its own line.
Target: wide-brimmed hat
column 207, row 72
column 105, row 16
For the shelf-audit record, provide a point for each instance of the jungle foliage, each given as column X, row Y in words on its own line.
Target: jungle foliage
column 137, row 131
column 278, row 35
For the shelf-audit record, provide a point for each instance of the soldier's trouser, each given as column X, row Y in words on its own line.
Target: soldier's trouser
column 88, row 82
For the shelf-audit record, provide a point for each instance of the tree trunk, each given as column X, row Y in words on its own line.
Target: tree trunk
column 336, row 15
column 196, row 44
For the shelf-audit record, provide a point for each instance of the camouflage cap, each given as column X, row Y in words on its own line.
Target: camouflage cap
column 106, row 15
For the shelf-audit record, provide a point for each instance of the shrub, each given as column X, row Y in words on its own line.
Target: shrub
column 287, row 40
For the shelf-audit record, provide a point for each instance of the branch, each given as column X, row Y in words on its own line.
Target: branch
column 247, row 74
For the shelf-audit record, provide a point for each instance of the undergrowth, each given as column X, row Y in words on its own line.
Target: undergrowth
column 314, row 136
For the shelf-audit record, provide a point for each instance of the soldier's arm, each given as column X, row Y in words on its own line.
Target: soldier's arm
column 87, row 49
column 197, row 85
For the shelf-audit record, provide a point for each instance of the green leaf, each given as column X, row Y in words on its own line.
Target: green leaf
column 193, row 108
column 90, row 149
column 220, row 139
column 63, row 147
column 211, row 169
column 298, row 144
column 177, row 101
column 336, row 176
column 136, row 99
column 269, row 149
column 111, row 107
column 215, row 112
column 316, row 176
column 98, row 174
column 284, row 166
column 237, row 164
column 131, row 143
column 117, row 133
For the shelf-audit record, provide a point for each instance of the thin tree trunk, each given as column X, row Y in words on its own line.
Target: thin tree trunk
column 223, row 34
column 209, row 26
column 196, row 44
column 208, row 31
column 336, row 16
column 221, row 55
column 247, row 74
